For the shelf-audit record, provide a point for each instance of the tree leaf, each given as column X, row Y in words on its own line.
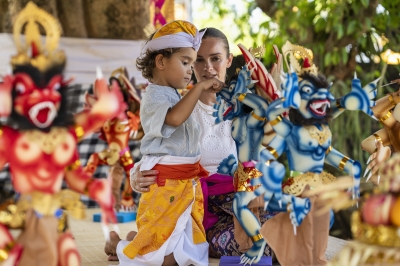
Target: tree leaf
column 327, row 59
column 365, row 3
column 351, row 27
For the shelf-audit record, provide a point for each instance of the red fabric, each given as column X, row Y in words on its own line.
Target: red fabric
column 178, row 171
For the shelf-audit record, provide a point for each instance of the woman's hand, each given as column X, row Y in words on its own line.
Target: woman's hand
column 141, row 181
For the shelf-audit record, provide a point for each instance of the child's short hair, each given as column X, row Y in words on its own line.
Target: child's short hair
column 147, row 62
column 167, row 41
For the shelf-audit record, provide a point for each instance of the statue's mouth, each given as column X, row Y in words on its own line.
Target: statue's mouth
column 228, row 110
column 319, row 107
column 43, row 114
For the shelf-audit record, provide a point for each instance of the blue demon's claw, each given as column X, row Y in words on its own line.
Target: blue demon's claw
column 361, row 98
column 298, row 209
column 228, row 165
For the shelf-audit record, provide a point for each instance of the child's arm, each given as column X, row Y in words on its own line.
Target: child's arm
column 182, row 110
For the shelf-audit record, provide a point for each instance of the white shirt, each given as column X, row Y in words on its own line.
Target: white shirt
column 216, row 141
column 161, row 139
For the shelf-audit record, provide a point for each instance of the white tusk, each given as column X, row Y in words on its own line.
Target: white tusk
column 369, row 159
column 369, row 176
column 366, row 172
column 106, row 232
column 99, row 74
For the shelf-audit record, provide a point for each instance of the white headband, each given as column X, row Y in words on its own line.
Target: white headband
column 177, row 40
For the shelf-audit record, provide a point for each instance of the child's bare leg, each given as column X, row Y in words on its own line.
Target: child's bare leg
column 169, row 260
column 111, row 247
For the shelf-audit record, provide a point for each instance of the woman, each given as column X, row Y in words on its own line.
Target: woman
column 217, row 145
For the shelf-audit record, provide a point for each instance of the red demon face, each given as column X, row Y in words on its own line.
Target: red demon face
column 39, row 105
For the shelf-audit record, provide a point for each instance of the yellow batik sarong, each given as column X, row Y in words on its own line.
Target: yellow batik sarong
column 160, row 209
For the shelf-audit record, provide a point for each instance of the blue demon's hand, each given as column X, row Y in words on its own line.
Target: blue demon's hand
column 298, row 208
column 228, row 166
column 220, row 108
column 360, row 98
column 356, row 187
column 271, row 180
column 291, row 93
column 356, row 173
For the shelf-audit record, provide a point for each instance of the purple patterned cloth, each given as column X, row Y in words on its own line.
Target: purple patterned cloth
column 220, row 235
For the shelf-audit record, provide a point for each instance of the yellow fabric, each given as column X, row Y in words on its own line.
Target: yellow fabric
column 159, row 211
column 175, row 27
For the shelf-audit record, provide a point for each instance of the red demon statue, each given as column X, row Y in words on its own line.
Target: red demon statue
column 39, row 142
column 117, row 132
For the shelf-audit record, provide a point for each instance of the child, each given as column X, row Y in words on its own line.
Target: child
column 170, row 216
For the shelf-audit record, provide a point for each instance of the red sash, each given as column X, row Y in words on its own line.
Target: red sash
column 179, row 172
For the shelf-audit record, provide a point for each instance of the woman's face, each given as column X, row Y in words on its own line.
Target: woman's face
column 212, row 60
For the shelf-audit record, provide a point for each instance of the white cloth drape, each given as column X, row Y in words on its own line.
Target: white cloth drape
column 83, row 55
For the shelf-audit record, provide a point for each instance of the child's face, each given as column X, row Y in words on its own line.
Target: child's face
column 179, row 68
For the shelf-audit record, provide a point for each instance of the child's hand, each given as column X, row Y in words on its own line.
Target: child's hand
column 212, row 85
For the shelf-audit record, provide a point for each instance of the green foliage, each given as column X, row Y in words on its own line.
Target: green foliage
column 344, row 35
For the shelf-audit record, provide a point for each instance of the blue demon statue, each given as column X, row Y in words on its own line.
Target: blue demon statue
column 247, row 110
column 304, row 136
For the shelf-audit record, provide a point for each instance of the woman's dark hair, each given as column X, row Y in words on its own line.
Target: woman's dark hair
column 216, row 33
column 147, row 63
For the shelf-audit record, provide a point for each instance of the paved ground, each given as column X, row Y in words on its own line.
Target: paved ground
column 90, row 240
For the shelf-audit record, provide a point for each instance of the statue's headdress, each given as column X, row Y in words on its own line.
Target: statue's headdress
column 300, row 59
column 31, row 51
column 121, row 74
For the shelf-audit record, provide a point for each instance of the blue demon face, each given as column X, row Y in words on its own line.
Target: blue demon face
column 241, row 84
column 314, row 101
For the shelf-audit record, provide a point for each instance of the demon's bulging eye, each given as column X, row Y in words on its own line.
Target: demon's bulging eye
column 56, row 86
column 20, row 88
column 306, row 89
